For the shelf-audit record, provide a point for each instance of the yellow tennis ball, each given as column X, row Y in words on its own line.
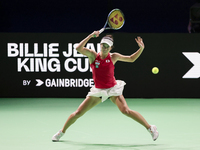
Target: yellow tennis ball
column 155, row 70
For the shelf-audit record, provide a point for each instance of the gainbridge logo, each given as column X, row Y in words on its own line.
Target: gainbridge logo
column 194, row 58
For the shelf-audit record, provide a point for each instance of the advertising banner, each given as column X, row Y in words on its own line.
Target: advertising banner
column 48, row 65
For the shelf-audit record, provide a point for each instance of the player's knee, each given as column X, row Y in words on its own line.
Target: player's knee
column 78, row 113
column 125, row 111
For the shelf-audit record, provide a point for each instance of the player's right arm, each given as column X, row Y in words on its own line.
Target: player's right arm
column 91, row 54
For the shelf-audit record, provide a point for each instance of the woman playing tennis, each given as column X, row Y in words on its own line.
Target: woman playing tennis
column 106, row 87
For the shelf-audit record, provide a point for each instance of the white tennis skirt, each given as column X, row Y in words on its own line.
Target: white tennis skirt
column 116, row 90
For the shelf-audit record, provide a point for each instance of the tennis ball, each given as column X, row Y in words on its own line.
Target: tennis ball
column 155, row 70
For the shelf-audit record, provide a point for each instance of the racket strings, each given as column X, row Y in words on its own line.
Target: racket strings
column 116, row 19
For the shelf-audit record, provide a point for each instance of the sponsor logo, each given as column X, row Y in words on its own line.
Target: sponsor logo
column 60, row 82
column 107, row 61
column 194, row 58
column 39, row 82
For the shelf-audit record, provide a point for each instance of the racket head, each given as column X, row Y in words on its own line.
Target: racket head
column 116, row 19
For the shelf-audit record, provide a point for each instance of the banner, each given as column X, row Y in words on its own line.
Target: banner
column 48, row 65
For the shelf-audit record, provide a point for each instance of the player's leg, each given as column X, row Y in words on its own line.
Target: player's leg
column 86, row 105
column 123, row 107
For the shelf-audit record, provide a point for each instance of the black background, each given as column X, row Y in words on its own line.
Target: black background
column 162, row 50
column 52, row 21
column 75, row 16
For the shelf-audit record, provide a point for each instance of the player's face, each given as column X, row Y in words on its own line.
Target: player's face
column 105, row 48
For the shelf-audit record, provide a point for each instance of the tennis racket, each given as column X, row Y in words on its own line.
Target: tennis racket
column 115, row 20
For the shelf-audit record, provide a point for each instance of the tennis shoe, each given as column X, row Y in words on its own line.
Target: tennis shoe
column 153, row 131
column 57, row 136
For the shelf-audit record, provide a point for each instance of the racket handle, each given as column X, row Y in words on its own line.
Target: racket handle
column 100, row 31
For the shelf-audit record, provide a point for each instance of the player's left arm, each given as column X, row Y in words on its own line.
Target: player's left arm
column 134, row 56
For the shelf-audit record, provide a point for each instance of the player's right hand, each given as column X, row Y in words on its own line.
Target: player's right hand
column 95, row 34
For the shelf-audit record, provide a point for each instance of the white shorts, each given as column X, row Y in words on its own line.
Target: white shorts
column 116, row 90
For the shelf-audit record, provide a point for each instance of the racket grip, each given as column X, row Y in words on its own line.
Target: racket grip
column 100, row 31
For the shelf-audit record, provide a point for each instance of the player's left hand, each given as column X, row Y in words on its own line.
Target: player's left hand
column 140, row 42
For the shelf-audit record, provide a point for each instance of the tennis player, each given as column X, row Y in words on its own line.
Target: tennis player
column 106, row 86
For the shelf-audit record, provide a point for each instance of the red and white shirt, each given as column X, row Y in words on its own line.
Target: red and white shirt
column 103, row 72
